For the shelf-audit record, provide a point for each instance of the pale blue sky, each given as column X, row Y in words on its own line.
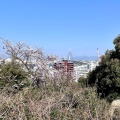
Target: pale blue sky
column 60, row 25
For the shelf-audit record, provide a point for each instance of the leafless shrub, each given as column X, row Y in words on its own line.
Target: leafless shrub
column 71, row 103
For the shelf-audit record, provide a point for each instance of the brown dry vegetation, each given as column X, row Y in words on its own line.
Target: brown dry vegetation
column 57, row 99
column 67, row 101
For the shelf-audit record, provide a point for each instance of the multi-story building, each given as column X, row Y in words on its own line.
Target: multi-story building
column 66, row 67
column 83, row 70
column 80, row 71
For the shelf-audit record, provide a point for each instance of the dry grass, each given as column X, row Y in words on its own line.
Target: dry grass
column 66, row 102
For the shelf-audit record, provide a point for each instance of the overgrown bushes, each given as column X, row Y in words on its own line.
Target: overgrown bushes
column 70, row 103
column 55, row 98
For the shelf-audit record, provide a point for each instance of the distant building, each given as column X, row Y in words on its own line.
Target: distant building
column 83, row 70
column 52, row 58
column 80, row 71
column 66, row 67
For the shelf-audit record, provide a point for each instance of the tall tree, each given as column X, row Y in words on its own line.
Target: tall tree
column 106, row 76
column 12, row 74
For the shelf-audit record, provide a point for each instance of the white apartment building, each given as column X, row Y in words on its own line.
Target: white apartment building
column 83, row 70
column 80, row 71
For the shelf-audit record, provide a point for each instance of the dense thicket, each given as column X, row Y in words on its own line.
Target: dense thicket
column 70, row 102
column 106, row 76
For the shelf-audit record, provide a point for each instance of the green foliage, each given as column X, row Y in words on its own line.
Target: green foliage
column 54, row 114
column 113, row 96
column 82, row 82
column 106, row 76
column 12, row 74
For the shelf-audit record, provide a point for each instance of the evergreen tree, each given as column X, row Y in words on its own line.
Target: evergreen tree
column 106, row 76
column 12, row 74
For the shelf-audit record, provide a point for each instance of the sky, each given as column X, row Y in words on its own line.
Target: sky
column 58, row 26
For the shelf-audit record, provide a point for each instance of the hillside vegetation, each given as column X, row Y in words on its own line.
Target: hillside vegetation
column 67, row 101
column 26, row 95
column 106, row 76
